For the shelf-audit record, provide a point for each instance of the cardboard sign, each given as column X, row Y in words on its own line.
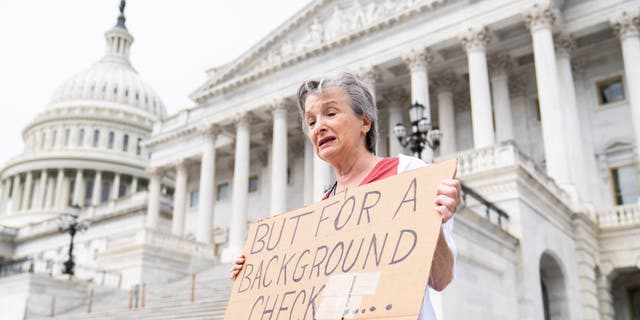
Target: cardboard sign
column 362, row 254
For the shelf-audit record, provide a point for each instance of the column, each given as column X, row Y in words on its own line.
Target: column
column 279, row 159
column 445, row 83
column 238, row 226
column 475, row 42
column 66, row 189
column 321, row 177
column 605, row 298
column 179, row 198
column 78, row 189
column 207, row 197
column 50, row 195
column 395, row 100
column 418, row 62
column 6, row 191
column 16, row 195
column 28, row 186
column 96, row 197
column 42, row 191
column 59, row 192
column 370, row 75
column 539, row 19
column 626, row 27
column 575, row 146
column 500, row 66
column 115, row 188
column 155, row 186
column 134, row 185
column 308, row 172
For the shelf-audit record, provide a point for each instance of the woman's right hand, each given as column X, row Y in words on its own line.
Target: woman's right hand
column 237, row 266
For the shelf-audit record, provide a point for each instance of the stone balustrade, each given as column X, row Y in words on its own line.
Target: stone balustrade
column 619, row 216
column 165, row 241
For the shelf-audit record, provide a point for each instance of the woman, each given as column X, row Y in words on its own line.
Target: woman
column 339, row 117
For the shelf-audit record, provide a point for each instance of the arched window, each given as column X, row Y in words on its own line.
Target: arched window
column 96, row 138
column 112, row 136
column 81, row 137
column 139, row 146
column 67, row 135
column 125, row 143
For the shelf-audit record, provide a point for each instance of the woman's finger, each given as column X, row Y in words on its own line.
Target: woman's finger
column 444, row 212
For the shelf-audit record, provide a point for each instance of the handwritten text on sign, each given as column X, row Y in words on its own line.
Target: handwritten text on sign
column 365, row 253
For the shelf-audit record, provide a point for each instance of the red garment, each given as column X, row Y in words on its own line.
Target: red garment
column 385, row 168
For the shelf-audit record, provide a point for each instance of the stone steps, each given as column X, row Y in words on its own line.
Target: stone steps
column 169, row 301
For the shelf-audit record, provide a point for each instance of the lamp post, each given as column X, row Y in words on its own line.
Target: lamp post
column 421, row 136
column 71, row 224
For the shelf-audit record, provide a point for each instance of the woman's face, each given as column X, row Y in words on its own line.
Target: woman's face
column 334, row 129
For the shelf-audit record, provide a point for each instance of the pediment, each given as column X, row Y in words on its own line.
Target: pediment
column 320, row 26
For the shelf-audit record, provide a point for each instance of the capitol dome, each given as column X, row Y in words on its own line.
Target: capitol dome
column 112, row 80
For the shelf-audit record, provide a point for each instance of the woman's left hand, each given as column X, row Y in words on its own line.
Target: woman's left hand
column 447, row 198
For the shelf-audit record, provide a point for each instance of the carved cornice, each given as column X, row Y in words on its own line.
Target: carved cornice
column 418, row 58
column 540, row 15
column 565, row 44
column 283, row 52
column 476, row 39
column 627, row 24
column 155, row 172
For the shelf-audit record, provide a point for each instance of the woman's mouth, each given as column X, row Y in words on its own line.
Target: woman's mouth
column 325, row 141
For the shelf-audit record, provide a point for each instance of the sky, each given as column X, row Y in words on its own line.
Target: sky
column 45, row 42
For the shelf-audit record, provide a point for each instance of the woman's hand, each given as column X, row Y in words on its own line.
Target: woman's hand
column 237, row 266
column 447, row 198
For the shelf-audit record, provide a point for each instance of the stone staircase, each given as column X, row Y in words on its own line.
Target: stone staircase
column 165, row 301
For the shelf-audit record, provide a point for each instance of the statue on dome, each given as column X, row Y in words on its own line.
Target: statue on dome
column 121, row 18
column 123, row 3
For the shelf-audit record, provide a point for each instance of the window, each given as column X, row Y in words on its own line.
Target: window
column 222, row 192
column 89, row 193
column 43, row 138
column 122, row 190
column 253, row 183
column 193, row 199
column 106, row 188
column 96, row 138
column 54, row 135
column 111, row 138
column 634, row 302
column 289, row 176
column 610, row 90
column 125, row 143
column 139, row 146
column 81, row 137
column 67, row 134
column 625, row 185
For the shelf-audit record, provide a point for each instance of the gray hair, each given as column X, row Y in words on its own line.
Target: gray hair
column 361, row 100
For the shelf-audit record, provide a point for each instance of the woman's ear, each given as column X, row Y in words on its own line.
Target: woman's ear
column 366, row 125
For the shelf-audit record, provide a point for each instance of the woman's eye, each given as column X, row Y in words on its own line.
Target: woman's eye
column 331, row 114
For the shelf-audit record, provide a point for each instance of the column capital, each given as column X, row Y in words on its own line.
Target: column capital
column 627, row 24
column 500, row 64
column 445, row 81
column 395, row 96
column 369, row 74
column 241, row 119
column 540, row 15
column 418, row 58
column 578, row 64
column 277, row 105
column 475, row 38
column 208, row 130
column 564, row 44
column 180, row 163
column 155, row 171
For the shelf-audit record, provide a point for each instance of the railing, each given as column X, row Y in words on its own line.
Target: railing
column 501, row 217
column 619, row 216
column 54, row 268
column 165, row 241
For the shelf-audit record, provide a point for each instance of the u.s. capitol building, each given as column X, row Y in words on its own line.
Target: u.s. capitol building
column 539, row 100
